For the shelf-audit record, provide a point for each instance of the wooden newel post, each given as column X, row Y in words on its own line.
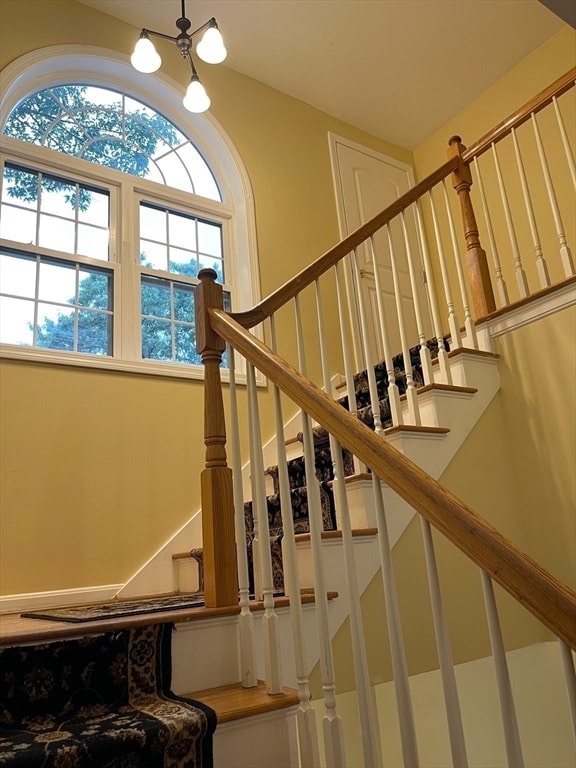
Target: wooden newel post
column 220, row 574
column 476, row 262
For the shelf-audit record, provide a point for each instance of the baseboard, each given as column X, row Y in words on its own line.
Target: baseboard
column 32, row 601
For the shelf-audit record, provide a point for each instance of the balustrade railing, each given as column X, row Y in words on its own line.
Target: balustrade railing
column 314, row 349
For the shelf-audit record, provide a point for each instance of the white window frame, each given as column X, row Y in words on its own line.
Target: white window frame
column 58, row 65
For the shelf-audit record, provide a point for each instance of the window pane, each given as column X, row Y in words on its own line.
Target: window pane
column 202, row 177
column 97, row 210
column 155, row 298
column 18, row 224
column 55, row 327
column 210, row 239
column 16, row 321
column 184, row 303
column 20, row 186
column 56, row 234
column 186, row 345
column 182, row 231
column 152, row 224
column 57, row 283
column 17, row 275
column 174, row 172
column 156, row 339
column 58, row 197
column 94, row 332
column 94, row 290
column 153, row 255
column 183, row 262
column 93, row 242
column 215, row 264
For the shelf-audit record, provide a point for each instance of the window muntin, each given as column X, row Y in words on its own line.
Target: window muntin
column 54, row 212
column 55, row 304
column 178, row 242
column 114, row 130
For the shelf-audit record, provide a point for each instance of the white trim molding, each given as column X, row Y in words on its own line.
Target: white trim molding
column 35, row 601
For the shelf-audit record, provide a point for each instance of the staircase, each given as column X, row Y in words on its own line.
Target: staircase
column 284, row 557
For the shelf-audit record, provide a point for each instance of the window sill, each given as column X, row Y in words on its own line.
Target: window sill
column 147, row 368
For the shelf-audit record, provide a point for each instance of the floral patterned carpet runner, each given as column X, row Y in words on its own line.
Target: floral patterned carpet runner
column 102, row 701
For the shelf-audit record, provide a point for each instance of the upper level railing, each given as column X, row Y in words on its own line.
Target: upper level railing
column 347, row 324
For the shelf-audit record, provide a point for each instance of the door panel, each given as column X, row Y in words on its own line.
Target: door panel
column 365, row 183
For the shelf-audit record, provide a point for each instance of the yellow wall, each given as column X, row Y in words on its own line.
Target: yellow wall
column 534, row 73
column 542, row 67
column 517, row 470
column 99, row 468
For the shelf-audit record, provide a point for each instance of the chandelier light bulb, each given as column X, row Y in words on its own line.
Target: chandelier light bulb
column 145, row 57
column 211, row 48
column 196, row 98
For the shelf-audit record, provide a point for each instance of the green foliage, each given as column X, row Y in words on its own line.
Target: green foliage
column 64, row 119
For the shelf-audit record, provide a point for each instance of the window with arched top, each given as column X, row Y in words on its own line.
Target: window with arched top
column 108, row 210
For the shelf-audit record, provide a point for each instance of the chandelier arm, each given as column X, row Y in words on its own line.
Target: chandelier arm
column 158, row 34
column 210, row 23
column 192, row 67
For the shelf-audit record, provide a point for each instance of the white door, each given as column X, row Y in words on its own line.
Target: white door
column 365, row 183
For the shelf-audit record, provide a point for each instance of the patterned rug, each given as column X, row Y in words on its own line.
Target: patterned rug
column 102, row 701
column 118, row 609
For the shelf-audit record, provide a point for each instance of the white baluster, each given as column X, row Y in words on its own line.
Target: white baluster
column 368, row 717
column 500, row 282
column 332, row 722
column 344, row 315
column 565, row 254
column 397, row 652
column 509, row 721
column 246, row 620
column 541, row 266
column 519, row 270
column 425, row 358
column 411, row 396
column 453, row 325
column 565, row 142
column 306, row 715
column 393, row 394
column 270, row 625
column 369, row 362
column 471, row 339
column 443, row 362
column 452, row 703
column 570, row 677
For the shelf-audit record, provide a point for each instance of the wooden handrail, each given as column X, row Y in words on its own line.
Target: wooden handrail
column 521, row 115
column 552, row 602
column 308, row 275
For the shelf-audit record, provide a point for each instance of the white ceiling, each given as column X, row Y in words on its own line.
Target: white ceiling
column 396, row 68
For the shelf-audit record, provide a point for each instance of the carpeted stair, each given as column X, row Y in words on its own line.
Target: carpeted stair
column 323, row 465
column 99, row 701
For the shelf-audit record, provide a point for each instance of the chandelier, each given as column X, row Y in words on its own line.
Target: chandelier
column 210, row 49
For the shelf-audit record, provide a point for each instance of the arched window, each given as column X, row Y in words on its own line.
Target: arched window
column 108, row 211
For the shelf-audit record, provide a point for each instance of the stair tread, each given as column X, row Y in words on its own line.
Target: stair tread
column 233, row 702
column 356, row 532
column 15, row 630
column 410, row 428
column 444, row 388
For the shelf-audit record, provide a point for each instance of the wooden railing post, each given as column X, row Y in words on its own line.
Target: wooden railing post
column 220, row 575
column 476, row 262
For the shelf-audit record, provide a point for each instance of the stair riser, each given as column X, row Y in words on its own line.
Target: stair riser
column 205, row 654
column 261, row 741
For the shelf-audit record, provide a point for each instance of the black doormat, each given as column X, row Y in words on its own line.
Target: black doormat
column 80, row 613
